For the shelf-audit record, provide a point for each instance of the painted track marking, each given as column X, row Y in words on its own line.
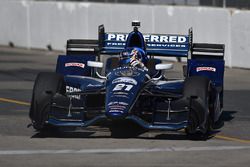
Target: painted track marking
column 232, row 139
column 123, row 150
column 14, row 101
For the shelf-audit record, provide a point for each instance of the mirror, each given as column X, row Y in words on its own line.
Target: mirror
column 164, row 66
column 95, row 64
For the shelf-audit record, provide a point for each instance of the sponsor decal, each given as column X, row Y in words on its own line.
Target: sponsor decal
column 124, row 80
column 127, row 72
column 148, row 38
column 122, row 87
column 167, row 45
column 112, row 111
column 91, row 85
column 70, row 89
column 119, row 95
column 117, row 107
column 73, row 64
column 122, row 68
column 115, row 44
column 212, row 69
column 149, row 45
column 117, row 37
column 165, row 38
column 117, row 103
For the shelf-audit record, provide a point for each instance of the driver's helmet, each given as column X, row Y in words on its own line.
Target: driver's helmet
column 133, row 53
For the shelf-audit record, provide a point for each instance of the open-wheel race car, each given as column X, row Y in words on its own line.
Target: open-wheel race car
column 132, row 84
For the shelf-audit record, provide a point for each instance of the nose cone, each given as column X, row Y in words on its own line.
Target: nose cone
column 122, row 88
column 115, row 115
column 117, row 110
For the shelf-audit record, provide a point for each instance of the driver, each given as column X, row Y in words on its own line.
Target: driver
column 135, row 57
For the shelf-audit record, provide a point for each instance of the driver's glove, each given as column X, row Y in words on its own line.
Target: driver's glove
column 135, row 63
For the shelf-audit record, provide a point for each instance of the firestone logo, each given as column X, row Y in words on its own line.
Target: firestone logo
column 212, row 69
column 73, row 64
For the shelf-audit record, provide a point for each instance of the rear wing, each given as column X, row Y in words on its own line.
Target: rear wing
column 205, row 50
column 78, row 46
column 156, row 44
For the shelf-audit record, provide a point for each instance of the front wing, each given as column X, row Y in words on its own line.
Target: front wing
column 166, row 111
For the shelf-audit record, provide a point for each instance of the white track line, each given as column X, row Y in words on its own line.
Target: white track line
column 125, row 150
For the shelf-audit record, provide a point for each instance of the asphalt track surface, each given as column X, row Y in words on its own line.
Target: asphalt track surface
column 95, row 146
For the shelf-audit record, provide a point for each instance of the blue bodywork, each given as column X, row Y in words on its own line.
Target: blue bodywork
column 130, row 93
column 214, row 70
column 122, row 91
column 74, row 69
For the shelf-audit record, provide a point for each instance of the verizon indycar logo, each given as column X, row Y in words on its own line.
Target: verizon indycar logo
column 212, row 69
column 81, row 65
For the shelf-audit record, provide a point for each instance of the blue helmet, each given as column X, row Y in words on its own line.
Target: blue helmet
column 133, row 53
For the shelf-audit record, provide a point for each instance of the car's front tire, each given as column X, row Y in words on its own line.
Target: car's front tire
column 197, row 90
column 46, row 85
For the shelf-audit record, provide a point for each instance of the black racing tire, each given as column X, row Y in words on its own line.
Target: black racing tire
column 198, row 87
column 46, row 85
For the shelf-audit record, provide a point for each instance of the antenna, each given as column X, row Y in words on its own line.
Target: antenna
column 136, row 24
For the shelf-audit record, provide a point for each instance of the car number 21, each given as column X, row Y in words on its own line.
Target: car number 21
column 122, row 86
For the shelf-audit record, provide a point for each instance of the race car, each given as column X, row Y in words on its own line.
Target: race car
column 130, row 83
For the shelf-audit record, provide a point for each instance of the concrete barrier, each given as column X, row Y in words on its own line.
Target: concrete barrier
column 117, row 18
column 209, row 24
column 14, row 19
column 36, row 24
column 240, row 39
column 53, row 23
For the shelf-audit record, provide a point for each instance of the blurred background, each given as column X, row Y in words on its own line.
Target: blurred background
column 241, row 4
column 47, row 24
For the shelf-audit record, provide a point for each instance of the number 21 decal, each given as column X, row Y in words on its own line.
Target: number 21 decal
column 122, row 86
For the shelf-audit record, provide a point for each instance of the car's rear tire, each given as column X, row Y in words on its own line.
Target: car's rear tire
column 151, row 67
column 197, row 90
column 46, row 85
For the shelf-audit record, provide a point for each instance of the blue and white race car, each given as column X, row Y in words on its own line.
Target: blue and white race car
column 132, row 84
